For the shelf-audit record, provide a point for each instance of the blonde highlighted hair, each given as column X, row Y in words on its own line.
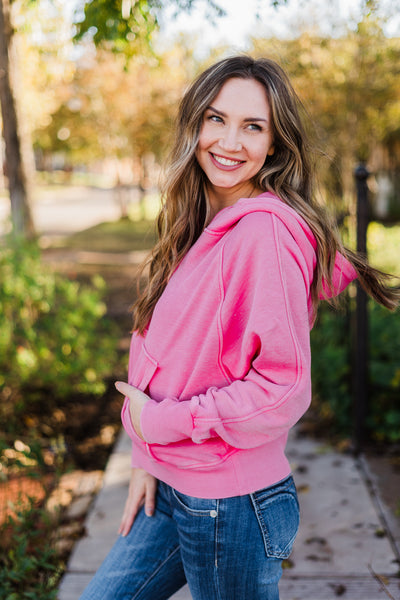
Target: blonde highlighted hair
column 288, row 173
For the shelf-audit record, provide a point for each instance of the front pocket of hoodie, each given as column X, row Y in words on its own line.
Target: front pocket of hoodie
column 184, row 454
column 188, row 455
column 143, row 370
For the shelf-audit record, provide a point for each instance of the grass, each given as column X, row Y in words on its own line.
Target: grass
column 384, row 247
column 116, row 236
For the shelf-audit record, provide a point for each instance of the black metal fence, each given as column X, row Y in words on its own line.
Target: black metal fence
column 361, row 175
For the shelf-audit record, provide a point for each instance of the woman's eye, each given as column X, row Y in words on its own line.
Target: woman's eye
column 254, row 127
column 215, row 118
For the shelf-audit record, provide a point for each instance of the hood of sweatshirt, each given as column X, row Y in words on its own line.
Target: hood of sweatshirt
column 227, row 218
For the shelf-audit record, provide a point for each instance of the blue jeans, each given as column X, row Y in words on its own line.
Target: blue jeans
column 227, row 549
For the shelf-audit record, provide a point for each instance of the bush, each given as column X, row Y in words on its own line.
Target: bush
column 29, row 565
column 55, row 344
column 331, row 368
column 53, row 333
column 331, row 349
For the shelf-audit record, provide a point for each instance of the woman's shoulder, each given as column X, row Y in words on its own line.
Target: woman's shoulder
column 262, row 219
column 257, row 213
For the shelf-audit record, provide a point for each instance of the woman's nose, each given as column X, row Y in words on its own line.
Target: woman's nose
column 230, row 141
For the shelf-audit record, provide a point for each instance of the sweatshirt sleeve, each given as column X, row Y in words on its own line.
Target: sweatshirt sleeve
column 264, row 344
column 343, row 274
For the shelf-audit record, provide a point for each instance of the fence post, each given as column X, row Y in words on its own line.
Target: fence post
column 361, row 175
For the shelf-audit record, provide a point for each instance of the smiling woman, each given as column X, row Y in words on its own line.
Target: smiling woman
column 219, row 366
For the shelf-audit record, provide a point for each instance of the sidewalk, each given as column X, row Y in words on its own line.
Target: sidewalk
column 347, row 546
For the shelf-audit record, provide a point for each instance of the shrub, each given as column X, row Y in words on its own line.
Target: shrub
column 54, row 336
column 331, row 368
column 29, row 565
column 332, row 371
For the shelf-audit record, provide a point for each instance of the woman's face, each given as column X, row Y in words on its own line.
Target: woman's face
column 235, row 137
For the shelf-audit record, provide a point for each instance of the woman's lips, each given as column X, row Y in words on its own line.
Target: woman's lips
column 226, row 164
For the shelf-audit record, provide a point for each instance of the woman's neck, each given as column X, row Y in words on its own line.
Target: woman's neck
column 220, row 198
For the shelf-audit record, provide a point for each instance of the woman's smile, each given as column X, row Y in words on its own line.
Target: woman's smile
column 225, row 163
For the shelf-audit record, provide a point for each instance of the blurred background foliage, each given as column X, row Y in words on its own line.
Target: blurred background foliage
column 332, row 374
column 333, row 344
column 54, row 338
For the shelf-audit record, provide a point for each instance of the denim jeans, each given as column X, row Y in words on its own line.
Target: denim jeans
column 226, row 549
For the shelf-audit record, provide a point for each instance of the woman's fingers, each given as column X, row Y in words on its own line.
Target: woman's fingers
column 125, row 388
column 142, row 490
column 137, row 399
column 132, row 505
column 128, row 517
column 150, row 498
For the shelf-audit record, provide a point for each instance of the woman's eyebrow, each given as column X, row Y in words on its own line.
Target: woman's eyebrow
column 246, row 120
column 219, row 112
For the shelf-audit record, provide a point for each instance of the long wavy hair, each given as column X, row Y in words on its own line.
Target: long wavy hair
column 288, row 173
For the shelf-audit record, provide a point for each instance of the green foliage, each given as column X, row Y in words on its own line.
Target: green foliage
column 353, row 77
column 53, row 333
column 384, row 354
column 127, row 25
column 332, row 372
column 331, row 368
column 55, row 343
column 29, row 566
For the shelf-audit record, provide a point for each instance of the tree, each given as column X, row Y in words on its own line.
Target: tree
column 127, row 25
column 349, row 86
column 16, row 163
column 141, row 97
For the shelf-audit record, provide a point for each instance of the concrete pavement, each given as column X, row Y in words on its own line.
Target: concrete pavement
column 62, row 210
column 347, row 546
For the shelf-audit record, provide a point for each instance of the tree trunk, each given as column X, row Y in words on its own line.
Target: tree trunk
column 16, row 172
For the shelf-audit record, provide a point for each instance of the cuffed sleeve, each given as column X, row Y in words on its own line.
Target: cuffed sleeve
column 167, row 421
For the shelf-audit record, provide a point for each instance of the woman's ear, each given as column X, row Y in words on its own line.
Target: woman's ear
column 271, row 151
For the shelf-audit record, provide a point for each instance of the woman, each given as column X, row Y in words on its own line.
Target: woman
column 219, row 365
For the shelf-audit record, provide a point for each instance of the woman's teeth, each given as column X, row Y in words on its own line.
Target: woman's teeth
column 226, row 161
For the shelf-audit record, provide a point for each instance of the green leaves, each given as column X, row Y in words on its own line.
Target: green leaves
column 123, row 25
column 29, row 566
column 53, row 332
column 127, row 25
column 332, row 372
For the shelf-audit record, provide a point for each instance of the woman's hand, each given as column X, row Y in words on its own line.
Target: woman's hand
column 142, row 490
column 137, row 400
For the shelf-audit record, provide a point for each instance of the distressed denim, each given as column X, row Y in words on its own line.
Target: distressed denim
column 226, row 549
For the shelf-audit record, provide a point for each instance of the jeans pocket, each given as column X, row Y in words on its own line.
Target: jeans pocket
column 201, row 507
column 278, row 515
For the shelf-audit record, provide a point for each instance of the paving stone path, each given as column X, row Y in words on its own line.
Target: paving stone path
column 347, row 546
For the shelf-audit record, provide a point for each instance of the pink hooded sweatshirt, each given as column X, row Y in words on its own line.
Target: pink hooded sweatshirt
column 226, row 357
